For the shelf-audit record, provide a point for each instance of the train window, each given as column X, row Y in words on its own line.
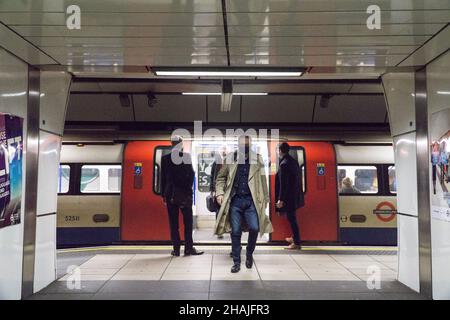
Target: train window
column 114, row 179
column 64, row 179
column 100, row 178
column 357, row 180
column 392, row 180
column 159, row 153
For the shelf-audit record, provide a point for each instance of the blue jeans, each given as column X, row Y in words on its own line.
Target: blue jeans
column 242, row 207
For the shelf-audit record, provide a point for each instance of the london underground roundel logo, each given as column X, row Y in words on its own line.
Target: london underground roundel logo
column 385, row 211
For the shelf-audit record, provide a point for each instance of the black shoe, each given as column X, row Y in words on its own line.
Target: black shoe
column 193, row 252
column 235, row 268
column 175, row 253
column 249, row 262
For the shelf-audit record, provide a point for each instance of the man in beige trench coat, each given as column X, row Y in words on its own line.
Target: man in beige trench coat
column 243, row 196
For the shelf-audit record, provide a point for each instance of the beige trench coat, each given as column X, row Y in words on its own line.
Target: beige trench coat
column 257, row 182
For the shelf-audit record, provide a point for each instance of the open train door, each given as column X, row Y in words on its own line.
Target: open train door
column 318, row 219
column 144, row 215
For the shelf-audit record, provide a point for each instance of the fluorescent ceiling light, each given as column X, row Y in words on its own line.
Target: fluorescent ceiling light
column 250, row 93
column 201, row 93
column 218, row 93
column 229, row 72
column 443, row 92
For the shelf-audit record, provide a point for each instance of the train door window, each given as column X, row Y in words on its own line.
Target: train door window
column 159, row 153
column 64, row 179
column 100, row 178
column 392, row 180
column 114, row 179
column 357, row 180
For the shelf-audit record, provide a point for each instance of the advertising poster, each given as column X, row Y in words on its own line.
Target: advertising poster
column 440, row 153
column 11, row 153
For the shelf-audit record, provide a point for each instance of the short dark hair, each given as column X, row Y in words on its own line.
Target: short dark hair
column 284, row 147
column 176, row 140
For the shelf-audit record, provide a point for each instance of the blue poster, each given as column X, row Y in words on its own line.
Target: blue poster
column 11, row 157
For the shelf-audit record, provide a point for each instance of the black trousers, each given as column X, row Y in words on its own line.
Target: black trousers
column 174, row 212
column 292, row 218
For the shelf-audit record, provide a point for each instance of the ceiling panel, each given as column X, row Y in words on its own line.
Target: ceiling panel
column 97, row 107
column 127, row 42
column 215, row 115
column 356, row 60
column 326, row 5
column 114, row 18
column 327, row 41
column 352, row 109
column 332, row 30
column 114, row 5
column 173, row 108
column 330, row 17
column 142, row 60
column 323, row 50
column 284, row 108
column 310, row 33
column 120, row 31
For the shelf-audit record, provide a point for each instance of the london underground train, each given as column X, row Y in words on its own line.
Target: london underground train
column 110, row 193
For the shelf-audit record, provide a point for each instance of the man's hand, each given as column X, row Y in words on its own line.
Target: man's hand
column 279, row 204
column 219, row 200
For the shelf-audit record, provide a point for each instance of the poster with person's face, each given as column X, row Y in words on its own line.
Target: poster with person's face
column 440, row 154
column 11, row 154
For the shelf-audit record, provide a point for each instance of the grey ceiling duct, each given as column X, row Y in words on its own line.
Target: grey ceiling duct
column 151, row 100
column 124, row 100
column 227, row 95
column 325, row 100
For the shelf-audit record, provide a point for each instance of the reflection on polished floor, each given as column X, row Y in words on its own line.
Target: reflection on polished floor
column 148, row 273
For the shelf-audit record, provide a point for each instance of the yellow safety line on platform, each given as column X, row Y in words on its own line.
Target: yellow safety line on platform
column 260, row 248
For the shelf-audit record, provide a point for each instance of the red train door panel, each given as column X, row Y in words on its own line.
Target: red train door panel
column 144, row 215
column 318, row 219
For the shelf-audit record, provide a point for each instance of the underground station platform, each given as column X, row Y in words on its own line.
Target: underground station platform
column 151, row 273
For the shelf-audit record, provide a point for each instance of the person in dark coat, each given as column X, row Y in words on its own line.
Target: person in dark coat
column 177, row 176
column 289, row 192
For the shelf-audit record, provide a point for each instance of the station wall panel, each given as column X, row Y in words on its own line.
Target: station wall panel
column 408, row 253
column 406, row 172
column 13, row 99
column 54, row 95
column 45, row 261
column 48, row 173
column 399, row 91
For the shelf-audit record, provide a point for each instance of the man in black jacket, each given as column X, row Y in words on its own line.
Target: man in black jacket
column 177, row 177
column 288, row 192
